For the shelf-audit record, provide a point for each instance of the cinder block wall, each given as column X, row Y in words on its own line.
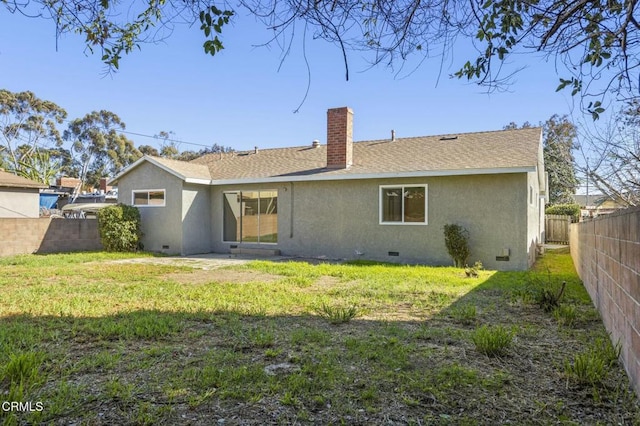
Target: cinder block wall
column 606, row 253
column 46, row 235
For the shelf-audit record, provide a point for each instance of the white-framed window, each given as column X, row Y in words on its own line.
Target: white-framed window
column 250, row 216
column 148, row 197
column 403, row 204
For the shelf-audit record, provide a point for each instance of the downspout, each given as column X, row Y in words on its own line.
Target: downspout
column 291, row 213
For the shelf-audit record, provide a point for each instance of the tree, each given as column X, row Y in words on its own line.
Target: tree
column 612, row 155
column 148, row 150
column 559, row 141
column 39, row 167
column 597, row 42
column 559, row 138
column 101, row 149
column 28, row 125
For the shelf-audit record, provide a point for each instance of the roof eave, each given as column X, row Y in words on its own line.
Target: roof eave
column 387, row 175
column 18, row 186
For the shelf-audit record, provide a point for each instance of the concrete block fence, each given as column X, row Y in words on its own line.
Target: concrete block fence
column 606, row 254
column 47, row 235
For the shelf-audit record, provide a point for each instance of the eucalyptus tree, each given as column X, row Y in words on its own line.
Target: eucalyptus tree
column 100, row 147
column 28, row 126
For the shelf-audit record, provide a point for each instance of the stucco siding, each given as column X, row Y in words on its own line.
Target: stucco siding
column 18, row 202
column 340, row 219
column 196, row 219
column 162, row 226
column 534, row 229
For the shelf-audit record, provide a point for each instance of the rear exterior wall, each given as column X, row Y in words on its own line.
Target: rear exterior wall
column 340, row 219
column 196, row 219
column 162, row 226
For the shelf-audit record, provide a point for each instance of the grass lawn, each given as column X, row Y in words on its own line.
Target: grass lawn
column 84, row 340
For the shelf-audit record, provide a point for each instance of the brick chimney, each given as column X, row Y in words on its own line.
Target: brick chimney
column 103, row 185
column 339, row 138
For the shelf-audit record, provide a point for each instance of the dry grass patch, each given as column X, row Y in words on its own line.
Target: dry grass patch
column 142, row 343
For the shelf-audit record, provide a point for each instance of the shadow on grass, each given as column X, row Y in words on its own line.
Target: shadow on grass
column 247, row 367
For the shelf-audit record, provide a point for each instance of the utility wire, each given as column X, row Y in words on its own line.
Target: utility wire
column 156, row 137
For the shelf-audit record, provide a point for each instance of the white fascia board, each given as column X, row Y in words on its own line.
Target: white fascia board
column 198, row 181
column 355, row 176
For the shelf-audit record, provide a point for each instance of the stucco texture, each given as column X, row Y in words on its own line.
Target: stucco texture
column 19, row 202
column 340, row 219
column 181, row 226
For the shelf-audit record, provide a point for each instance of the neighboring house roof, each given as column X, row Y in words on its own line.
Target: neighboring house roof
column 466, row 153
column 504, row 151
column 594, row 199
column 9, row 180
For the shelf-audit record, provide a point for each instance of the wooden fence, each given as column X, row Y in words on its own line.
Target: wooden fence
column 557, row 228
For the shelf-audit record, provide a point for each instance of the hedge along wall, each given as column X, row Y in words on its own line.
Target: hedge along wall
column 47, row 235
column 606, row 253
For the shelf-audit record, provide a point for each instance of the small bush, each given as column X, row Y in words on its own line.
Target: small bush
column 492, row 341
column 572, row 210
column 120, row 228
column 456, row 238
column 337, row 314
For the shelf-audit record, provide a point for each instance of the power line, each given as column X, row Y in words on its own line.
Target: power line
column 156, row 137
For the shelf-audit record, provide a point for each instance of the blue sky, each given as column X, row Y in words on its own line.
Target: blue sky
column 239, row 98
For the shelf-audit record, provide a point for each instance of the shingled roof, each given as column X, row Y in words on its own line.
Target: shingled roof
column 464, row 153
column 9, row 180
column 187, row 171
column 503, row 151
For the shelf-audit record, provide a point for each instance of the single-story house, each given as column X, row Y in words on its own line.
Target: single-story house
column 385, row 200
column 594, row 205
column 19, row 197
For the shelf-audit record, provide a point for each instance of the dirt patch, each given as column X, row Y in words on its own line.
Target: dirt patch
column 221, row 275
column 205, row 262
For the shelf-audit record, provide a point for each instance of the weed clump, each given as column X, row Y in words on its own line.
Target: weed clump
column 566, row 315
column 337, row 314
column 548, row 298
column 492, row 341
column 465, row 314
column 592, row 366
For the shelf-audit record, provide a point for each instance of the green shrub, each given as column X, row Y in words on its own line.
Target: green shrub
column 492, row 341
column 564, row 210
column 456, row 238
column 120, row 228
